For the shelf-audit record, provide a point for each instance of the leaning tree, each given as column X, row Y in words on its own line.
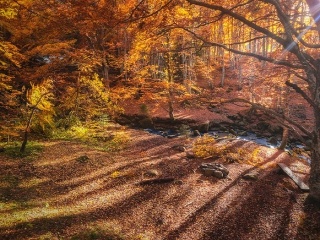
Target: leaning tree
column 292, row 26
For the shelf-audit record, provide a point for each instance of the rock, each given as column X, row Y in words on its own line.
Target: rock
column 178, row 182
column 233, row 117
column 242, row 123
column 190, row 154
column 214, row 169
column 196, row 133
column 263, row 126
column 223, row 169
column 171, row 136
column 208, row 172
column 233, row 132
column 251, row 176
column 82, row 159
column 273, row 140
column 223, row 128
column 146, row 123
column 179, row 148
column 275, row 129
column 203, row 127
column 243, row 133
column 218, row 174
column 151, row 173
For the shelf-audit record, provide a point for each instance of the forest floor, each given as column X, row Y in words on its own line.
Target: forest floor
column 73, row 191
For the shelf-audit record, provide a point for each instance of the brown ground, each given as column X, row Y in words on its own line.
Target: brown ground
column 57, row 196
column 61, row 196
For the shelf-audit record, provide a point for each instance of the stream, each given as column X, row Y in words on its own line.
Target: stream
column 248, row 136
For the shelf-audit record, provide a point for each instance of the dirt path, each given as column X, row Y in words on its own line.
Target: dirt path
column 60, row 195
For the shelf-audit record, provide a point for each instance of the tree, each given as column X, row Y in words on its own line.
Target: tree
column 296, row 38
column 39, row 99
column 76, row 43
column 10, row 58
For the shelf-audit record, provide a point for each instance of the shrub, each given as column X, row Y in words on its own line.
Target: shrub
column 206, row 146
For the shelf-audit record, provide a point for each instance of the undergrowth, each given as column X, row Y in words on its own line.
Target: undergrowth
column 12, row 149
column 105, row 137
column 206, row 147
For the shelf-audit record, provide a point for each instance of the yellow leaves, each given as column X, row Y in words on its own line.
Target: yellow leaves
column 182, row 13
column 11, row 55
column 40, row 97
column 206, row 146
column 8, row 9
column 52, row 48
column 115, row 174
column 96, row 85
column 8, row 13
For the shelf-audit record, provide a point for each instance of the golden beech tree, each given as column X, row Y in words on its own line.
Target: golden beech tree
column 10, row 58
column 293, row 28
column 76, row 43
column 162, row 57
column 39, row 99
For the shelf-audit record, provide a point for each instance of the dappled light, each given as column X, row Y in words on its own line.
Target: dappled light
column 108, row 191
column 159, row 119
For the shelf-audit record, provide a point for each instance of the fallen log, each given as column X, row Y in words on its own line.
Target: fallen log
column 295, row 178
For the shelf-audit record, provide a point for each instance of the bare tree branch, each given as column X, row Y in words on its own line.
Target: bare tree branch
column 303, row 94
column 260, row 57
column 241, row 19
column 270, row 112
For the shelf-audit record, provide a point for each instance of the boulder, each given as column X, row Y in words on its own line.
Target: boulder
column 251, row 176
column 151, row 173
column 196, row 133
column 82, row 159
column 146, row 123
column 179, row 148
column 273, row 140
column 263, row 126
column 203, row 127
column 190, row 154
column 214, row 169
column 208, row 172
column 218, row 174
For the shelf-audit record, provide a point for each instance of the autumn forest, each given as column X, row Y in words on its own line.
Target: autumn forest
column 108, row 104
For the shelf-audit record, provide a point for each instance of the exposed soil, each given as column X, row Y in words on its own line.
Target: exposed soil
column 59, row 195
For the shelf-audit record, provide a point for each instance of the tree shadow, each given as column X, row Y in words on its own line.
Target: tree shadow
column 309, row 227
column 230, row 219
column 60, row 223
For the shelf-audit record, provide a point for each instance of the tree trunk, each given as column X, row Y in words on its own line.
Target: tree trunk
column 170, row 103
column 284, row 139
column 223, row 74
column 314, row 180
column 26, row 131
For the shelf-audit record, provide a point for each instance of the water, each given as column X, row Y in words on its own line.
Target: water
column 249, row 136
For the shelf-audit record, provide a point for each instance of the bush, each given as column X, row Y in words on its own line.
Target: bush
column 12, row 149
column 206, row 146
